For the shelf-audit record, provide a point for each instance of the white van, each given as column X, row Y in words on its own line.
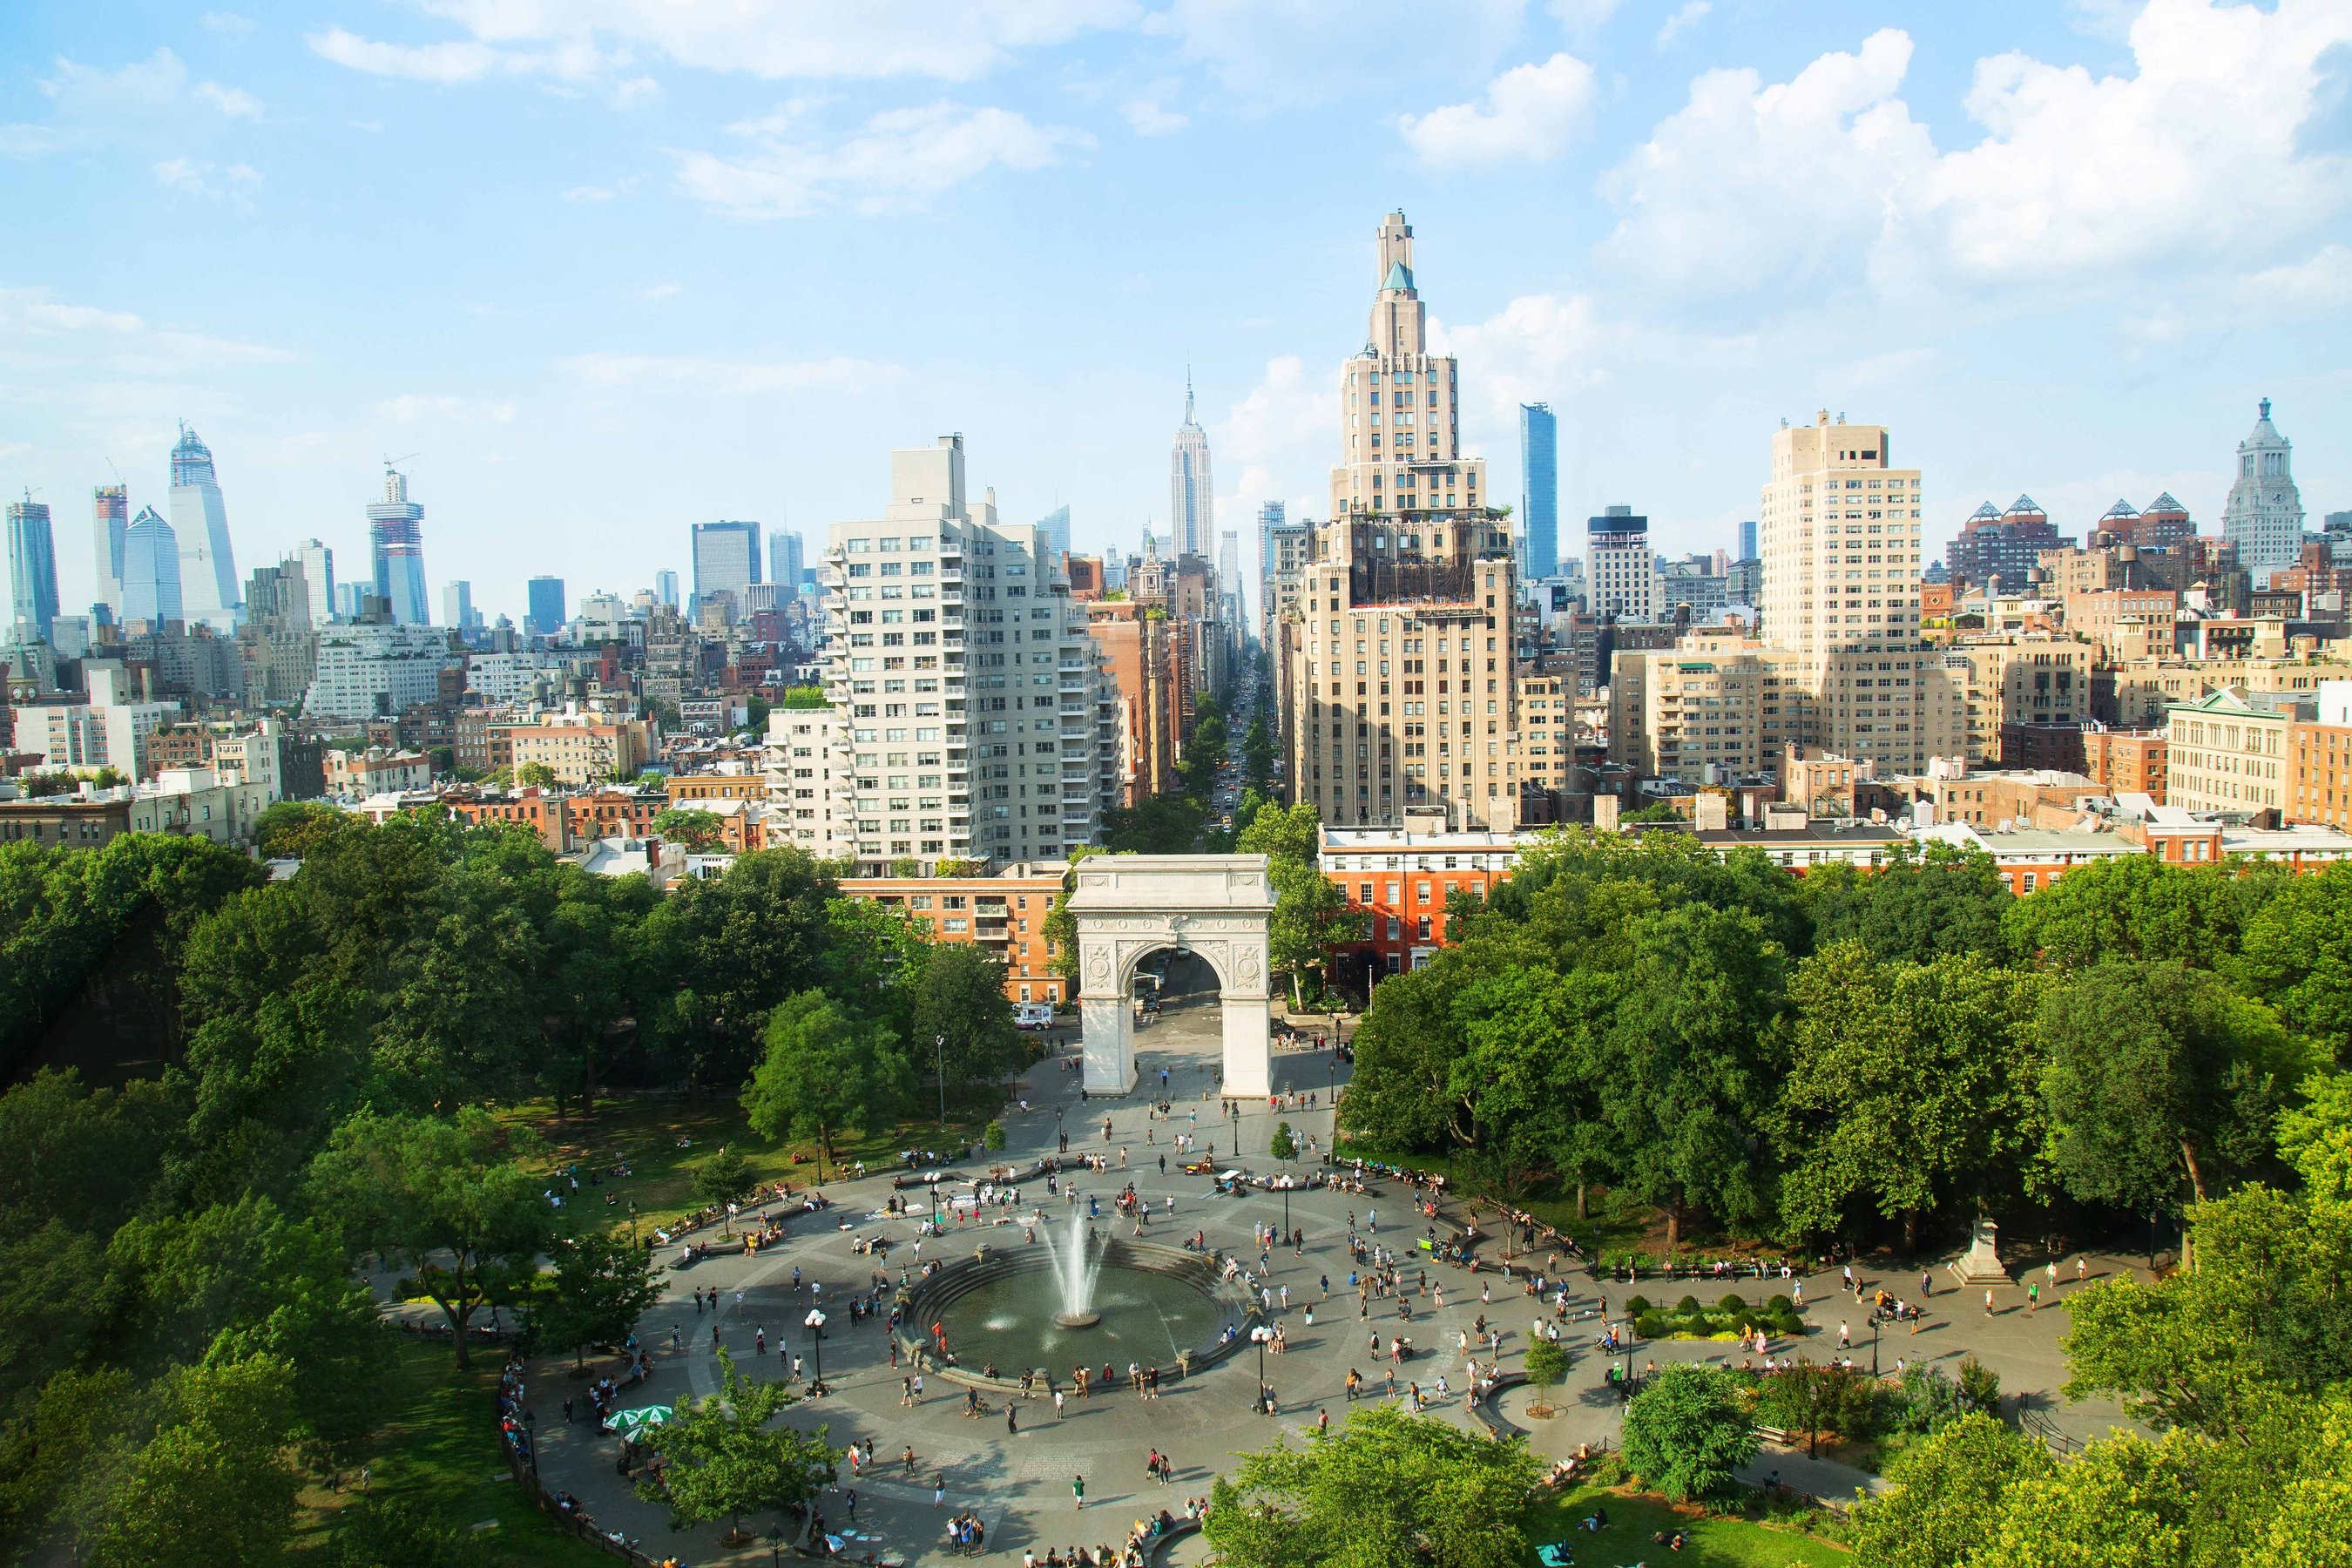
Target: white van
column 1033, row 1015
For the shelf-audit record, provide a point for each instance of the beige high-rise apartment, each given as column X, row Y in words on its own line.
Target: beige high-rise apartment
column 1841, row 542
column 1401, row 686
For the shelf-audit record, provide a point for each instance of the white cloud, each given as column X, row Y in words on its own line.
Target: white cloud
column 956, row 40
column 1581, row 17
column 700, row 374
column 2200, row 159
column 233, row 101
column 1687, row 16
column 1275, row 444
column 662, row 291
column 39, row 332
column 1749, row 182
column 1274, row 52
column 897, row 161
column 188, row 176
column 2322, row 280
column 2198, row 152
column 91, row 101
column 448, row 64
column 589, row 194
column 29, row 140
column 638, row 89
column 1528, row 112
column 1538, row 347
column 226, row 22
column 1146, row 112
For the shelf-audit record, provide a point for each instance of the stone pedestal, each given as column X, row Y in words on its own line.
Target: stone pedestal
column 1249, row 1046
column 1980, row 1264
column 1106, row 1045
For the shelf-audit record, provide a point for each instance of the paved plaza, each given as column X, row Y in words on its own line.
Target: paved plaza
column 1020, row 1483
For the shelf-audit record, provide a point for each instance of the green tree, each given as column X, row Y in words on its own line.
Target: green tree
column 213, row 1488
column 2298, row 955
column 534, row 775
column 2266, row 1313
column 604, row 1282
column 238, row 1280
column 1912, row 1085
column 2158, row 1073
column 1917, row 907
column 450, row 1196
column 723, row 1459
column 962, row 1013
column 2135, row 907
column 1689, row 1071
column 2316, row 1137
column 1282, row 1145
column 1386, row 1488
column 381, row 1532
column 697, row 832
column 825, row 1073
column 2125, row 1503
column 720, row 1180
column 1688, row 1432
column 1944, row 1495
column 1547, row 1363
column 291, row 828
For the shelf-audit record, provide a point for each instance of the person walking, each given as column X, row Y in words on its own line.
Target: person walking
column 1078, row 1491
column 1988, row 1300
column 1057, row 1405
column 1011, row 1423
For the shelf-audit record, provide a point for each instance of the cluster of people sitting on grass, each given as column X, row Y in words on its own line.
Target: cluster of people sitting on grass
column 515, row 1420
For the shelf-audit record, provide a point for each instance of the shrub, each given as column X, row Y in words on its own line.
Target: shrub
column 1636, row 1305
column 1688, row 1306
column 1979, row 1387
column 1650, row 1326
column 1780, row 1304
column 1688, row 1432
column 1734, row 1304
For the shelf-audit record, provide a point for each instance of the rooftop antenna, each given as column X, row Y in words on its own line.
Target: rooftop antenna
column 403, row 457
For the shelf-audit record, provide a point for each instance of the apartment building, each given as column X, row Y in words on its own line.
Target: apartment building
column 1401, row 878
column 2016, row 680
column 2229, row 751
column 1142, row 665
column 1547, row 737
column 1004, row 914
column 376, row 770
column 2124, row 624
column 799, row 778
column 2128, row 761
column 1840, row 528
column 1714, row 699
column 2139, row 693
column 970, row 711
column 2319, row 761
column 582, row 748
column 1403, row 685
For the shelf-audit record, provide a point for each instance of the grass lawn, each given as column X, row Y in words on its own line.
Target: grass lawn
column 1713, row 1543
column 440, row 1452
column 661, row 1137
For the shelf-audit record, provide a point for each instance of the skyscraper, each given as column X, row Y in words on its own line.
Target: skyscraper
column 151, row 569
column 1057, row 524
column 2263, row 517
column 109, row 520
column 1271, row 515
column 318, row 579
column 665, row 587
column 786, row 556
column 32, row 566
column 1624, row 566
column 458, row 604
column 208, row 581
column 546, row 615
column 396, row 538
column 726, row 557
column 1748, row 540
column 1191, row 502
column 1538, row 541
column 1410, row 564
column 1834, row 501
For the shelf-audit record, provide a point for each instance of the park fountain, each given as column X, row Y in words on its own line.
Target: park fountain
column 1076, row 1266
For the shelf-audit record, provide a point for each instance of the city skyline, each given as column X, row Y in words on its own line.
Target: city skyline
column 1654, row 290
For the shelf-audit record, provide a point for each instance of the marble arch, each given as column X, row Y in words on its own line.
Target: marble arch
column 1129, row 906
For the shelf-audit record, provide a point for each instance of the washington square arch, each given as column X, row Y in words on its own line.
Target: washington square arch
column 1128, row 907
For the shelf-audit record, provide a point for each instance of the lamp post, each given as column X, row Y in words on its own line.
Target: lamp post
column 815, row 1322
column 776, row 1545
column 1261, row 1334
column 940, row 1055
column 1235, row 1106
column 1874, row 1341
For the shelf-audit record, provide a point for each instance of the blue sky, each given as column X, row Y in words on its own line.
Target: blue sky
column 608, row 267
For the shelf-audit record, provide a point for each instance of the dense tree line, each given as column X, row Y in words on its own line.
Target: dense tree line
column 1863, row 1057
column 184, row 1336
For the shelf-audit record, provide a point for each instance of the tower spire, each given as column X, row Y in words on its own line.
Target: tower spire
column 1188, row 395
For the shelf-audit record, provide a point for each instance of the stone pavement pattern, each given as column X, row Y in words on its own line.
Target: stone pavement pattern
column 1021, row 1485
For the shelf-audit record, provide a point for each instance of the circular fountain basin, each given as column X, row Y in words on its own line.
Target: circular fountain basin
column 1153, row 1305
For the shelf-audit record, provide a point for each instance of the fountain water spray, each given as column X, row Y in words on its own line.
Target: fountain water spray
column 1075, row 1267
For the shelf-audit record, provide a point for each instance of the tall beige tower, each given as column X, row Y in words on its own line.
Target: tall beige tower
column 1401, row 692
column 1841, row 542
